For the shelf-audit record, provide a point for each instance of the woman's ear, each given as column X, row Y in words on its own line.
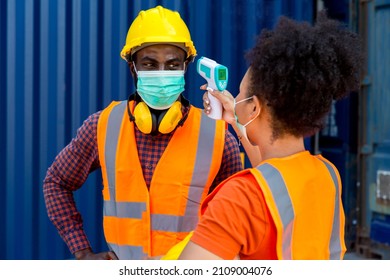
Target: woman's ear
column 257, row 106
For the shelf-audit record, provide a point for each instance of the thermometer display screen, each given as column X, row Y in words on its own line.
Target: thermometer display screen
column 221, row 74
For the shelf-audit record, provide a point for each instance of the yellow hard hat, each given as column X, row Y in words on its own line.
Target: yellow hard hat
column 158, row 25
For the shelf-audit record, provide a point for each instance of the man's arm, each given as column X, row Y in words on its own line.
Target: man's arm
column 68, row 172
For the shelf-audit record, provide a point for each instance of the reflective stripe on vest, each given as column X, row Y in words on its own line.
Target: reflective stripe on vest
column 335, row 242
column 111, row 207
column 203, row 166
column 284, row 205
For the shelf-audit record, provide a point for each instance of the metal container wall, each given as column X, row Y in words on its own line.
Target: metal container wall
column 374, row 147
column 338, row 139
column 59, row 63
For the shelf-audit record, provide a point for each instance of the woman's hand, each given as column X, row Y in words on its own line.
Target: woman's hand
column 227, row 101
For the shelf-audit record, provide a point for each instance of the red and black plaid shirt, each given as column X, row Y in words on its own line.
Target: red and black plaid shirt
column 76, row 161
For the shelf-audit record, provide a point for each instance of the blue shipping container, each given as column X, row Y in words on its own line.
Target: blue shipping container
column 59, row 63
column 374, row 137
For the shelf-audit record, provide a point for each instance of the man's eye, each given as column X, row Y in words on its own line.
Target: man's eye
column 173, row 66
column 148, row 65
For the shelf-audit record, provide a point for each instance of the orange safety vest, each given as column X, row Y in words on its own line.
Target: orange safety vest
column 141, row 223
column 305, row 205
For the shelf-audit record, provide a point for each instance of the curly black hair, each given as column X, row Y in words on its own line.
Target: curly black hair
column 298, row 69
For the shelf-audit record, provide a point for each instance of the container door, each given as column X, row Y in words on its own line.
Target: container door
column 374, row 126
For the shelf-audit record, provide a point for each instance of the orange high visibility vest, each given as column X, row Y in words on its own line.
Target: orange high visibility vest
column 140, row 223
column 308, row 215
column 305, row 205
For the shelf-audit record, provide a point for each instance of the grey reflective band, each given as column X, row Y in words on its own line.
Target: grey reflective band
column 125, row 252
column 173, row 223
column 202, row 169
column 283, row 202
column 124, row 209
column 335, row 242
column 112, row 134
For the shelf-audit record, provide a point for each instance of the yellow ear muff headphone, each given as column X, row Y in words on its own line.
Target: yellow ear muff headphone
column 148, row 121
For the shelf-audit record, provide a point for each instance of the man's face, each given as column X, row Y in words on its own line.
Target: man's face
column 159, row 57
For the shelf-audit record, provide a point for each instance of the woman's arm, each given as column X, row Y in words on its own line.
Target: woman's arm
column 195, row 252
column 227, row 101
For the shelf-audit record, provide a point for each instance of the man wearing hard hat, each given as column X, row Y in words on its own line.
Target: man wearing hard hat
column 159, row 155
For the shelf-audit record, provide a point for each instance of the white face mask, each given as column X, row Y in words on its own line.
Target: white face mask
column 242, row 127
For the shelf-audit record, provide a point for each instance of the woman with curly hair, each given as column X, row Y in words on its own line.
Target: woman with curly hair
column 289, row 206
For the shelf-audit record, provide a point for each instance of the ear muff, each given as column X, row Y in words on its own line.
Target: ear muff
column 143, row 118
column 147, row 122
column 168, row 120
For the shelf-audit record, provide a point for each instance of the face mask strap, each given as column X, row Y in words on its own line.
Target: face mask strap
column 135, row 68
column 234, row 106
column 245, row 125
column 235, row 103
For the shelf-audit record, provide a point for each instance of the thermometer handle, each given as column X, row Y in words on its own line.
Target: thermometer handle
column 216, row 106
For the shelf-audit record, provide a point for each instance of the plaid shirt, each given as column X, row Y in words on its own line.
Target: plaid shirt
column 77, row 160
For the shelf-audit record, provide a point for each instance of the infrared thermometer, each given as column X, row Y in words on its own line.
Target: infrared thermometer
column 216, row 76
